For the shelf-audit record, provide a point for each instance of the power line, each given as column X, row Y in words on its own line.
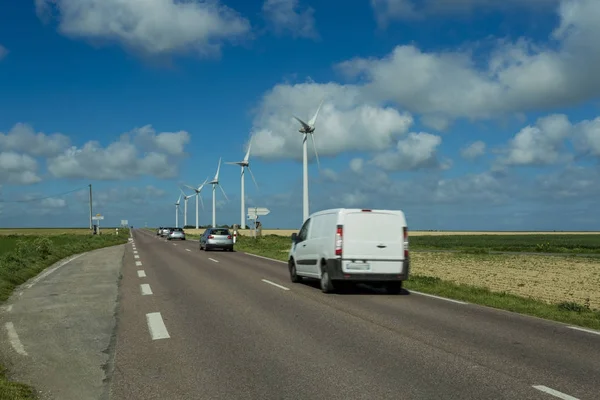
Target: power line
column 43, row 198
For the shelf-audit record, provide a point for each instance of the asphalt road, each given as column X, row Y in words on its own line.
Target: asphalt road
column 218, row 325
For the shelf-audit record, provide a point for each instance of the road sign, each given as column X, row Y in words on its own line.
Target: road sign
column 98, row 217
column 124, row 222
column 251, row 216
column 258, row 211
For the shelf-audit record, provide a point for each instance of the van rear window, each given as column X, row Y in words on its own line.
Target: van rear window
column 373, row 226
column 220, row 232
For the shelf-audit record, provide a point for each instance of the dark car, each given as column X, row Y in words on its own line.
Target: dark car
column 216, row 238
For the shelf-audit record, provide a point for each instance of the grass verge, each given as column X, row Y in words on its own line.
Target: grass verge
column 569, row 312
column 24, row 257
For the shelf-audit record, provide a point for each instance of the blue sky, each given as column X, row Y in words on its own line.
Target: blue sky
column 463, row 113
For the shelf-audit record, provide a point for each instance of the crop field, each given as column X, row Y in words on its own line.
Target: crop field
column 551, row 279
column 44, row 231
column 547, row 278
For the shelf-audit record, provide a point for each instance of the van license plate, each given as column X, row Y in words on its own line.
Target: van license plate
column 358, row 266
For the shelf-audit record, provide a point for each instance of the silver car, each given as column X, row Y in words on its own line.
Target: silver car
column 216, row 238
column 164, row 232
column 176, row 233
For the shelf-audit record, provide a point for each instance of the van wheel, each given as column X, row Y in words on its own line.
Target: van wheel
column 326, row 283
column 293, row 276
column 393, row 287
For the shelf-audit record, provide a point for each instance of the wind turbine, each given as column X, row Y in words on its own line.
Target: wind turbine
column 198, row 190
column 215, row 183
column 185, row 200
column 244, row 164
column 306, row 129
column 177, row 212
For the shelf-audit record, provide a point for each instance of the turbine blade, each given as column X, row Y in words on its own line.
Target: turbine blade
column 201, row 202
column 312, row 136
column 189, row 187
column 252, row 175
column 247, row 157
column 218, row 169
column 178, row 200
column 226, row 198
column 314, row 119
column 304, row 124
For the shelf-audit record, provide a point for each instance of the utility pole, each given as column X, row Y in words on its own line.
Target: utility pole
column 91, row 221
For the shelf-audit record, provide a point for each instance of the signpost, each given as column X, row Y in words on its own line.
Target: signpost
column 98, row 217
column 124, row 223
column 254, row 213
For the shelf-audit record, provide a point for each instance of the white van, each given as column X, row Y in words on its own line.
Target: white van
column 350, row 246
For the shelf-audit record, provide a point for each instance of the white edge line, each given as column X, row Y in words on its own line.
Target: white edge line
column 135, row 252
column 274, row 284
column 136, row 256
column 438, row 297
column 554, row 393
column 51, row 270
column 213, row 260
column 141, row 273
column 146, row 290
column 584, row 330
column 187, row 250
column 156, row 326
column 138, row 263
column 266, row 258
column 15, row 342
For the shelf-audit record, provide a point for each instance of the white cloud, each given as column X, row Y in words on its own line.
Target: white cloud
column 587, row 137
column 53, row 202
column 542, row 144
column 19, row 169
column 416, row 151
column 121, row 159
column 172, row 143
column 149, row 26
column 3, row 52
column 285, row 16
column 516, row 77
column 389, row 10
column 345, row 122
column 474, row 150
column 23, row 138
column 356, row 164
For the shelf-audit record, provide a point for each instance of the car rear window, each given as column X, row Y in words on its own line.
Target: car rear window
column 178, row 229
column 220, row 232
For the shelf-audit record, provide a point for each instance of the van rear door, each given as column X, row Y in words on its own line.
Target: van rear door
column 373, row 242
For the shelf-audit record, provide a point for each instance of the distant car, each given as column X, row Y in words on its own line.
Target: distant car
column 176, row 233
column 164, row 232
column 216, row 238
column 159, row 230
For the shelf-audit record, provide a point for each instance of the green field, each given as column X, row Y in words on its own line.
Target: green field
column 556, row 243
column 277, row 246
column 23, row 256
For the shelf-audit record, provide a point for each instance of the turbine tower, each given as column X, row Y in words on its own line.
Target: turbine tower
column 244, row 164
column 185, row 200
column 306, row 129
column 215, row 183
column 198, row 190
column 177, row 212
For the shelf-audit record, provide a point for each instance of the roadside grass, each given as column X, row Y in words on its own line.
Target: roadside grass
column 44, row 231
column 25, row 256
column 569, row 312
column 540, row 243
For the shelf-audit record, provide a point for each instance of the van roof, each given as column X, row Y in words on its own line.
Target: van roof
column 338, row 210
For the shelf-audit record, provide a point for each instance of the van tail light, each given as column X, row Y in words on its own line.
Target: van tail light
column 211, row 237
column 405, row 232
column 228, row 236
column 339, row 240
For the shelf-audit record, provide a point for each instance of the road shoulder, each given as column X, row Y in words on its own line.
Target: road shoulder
column 58, row 330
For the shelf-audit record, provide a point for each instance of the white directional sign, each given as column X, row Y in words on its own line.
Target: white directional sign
column 251, row 216
column 124, row 222
column 98, row 217
column 258, row 211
